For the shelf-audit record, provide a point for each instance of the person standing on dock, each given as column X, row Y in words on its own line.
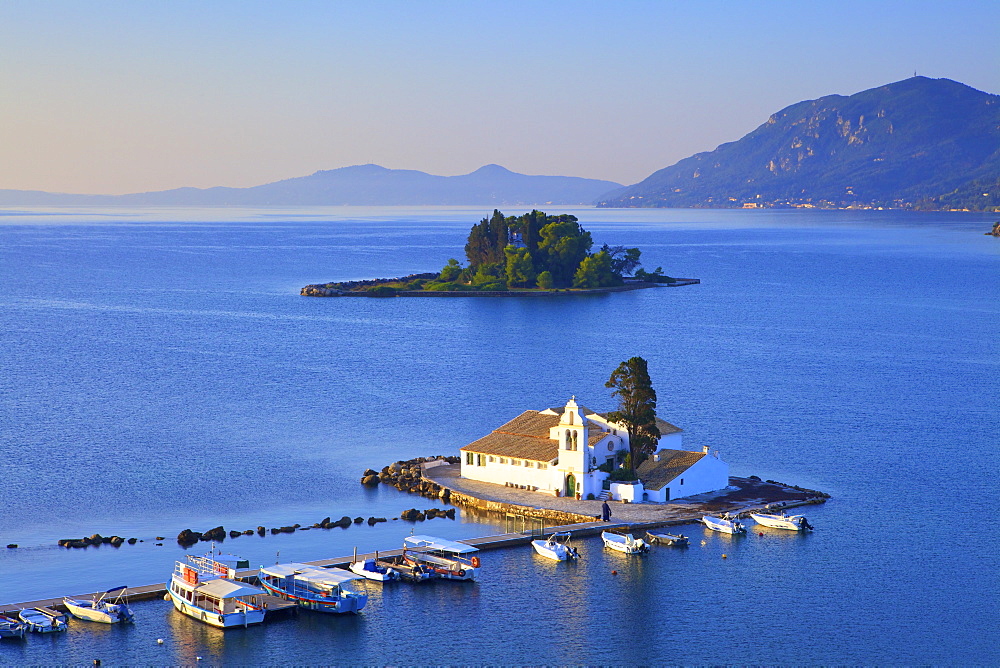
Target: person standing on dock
column 605, row 512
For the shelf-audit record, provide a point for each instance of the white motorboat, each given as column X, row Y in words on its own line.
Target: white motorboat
column 11, row 628
column 372, row 569
column 557, row 546
column 313, row 587
column 205, row 588
column 37, row 621
column 624, row 542
column 669, row 539
column 782, row 521
column 444, row 559
column 724, row 523
column 98, row 609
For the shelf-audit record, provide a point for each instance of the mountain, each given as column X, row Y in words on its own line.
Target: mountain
column 913, row 142
column 361, row 185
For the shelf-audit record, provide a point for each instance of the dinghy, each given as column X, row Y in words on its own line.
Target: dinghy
column 724, row 523
column 624, row 542
column 556, row 547
column 782, row 521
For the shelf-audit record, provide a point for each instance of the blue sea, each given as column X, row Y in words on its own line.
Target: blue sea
column 159, row 371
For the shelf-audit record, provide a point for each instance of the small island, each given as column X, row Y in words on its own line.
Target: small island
column 995, row 232
column 532, row 254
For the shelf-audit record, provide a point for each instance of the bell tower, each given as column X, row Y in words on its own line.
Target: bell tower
column 572, row 435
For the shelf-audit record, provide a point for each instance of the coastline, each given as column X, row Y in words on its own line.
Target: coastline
column 321, row 290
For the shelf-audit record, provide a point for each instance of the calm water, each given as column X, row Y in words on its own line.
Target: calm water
column 158, row 371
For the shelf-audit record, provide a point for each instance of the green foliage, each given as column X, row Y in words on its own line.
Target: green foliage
column 595, row 272
column 417, row 284
column 564, row 244
column 520, row 268
column 623, row 260
column 382, row 291
column 492, row 287
column 623, row 474
column 450, row 271
column 487, row 240
column 489, row 273
column 636, row 406
column 655, row 276
column 545, row 281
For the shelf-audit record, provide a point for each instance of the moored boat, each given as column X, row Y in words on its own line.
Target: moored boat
column 37, row 621
column 312, row 587
column 372, row 569
column 205, row 588
column 668, row 539
column 623, row 541
column 11, row 628
column 444, row 559
column 724, row 523
column 98, row 609
column 557, row 546
column 782, row 521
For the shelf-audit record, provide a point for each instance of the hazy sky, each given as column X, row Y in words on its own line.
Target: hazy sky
column 115, row 97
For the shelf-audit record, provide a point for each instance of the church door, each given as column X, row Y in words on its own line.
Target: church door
column 571, row 485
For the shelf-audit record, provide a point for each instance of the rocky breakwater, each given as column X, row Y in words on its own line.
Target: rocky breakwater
column 407, row 476
column 364, row 288
column 95, row 539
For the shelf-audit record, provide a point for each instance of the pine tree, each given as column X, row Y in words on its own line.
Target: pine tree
column 636, row 407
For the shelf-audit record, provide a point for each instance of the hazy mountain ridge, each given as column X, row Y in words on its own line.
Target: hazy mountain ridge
column 360, row 185
column 899, row 144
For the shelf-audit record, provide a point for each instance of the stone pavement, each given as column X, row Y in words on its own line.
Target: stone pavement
column 742, row 493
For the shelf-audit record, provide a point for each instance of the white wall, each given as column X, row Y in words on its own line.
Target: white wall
column 500, row 474
column 708, row 474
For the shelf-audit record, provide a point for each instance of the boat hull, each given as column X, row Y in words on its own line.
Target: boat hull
column 790, row 523
column 723, row 526
column 213, row 618
column 621, row 544
column 39, row 622
column 110, row 613
column 358, row 568
column 11, row 629
column 558, row 553
column 670, row 540
column 342, row 605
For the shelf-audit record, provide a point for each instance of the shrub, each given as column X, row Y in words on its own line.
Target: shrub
column 545, row 281
column 489, row 287
column 382, row 291
column 590, row 497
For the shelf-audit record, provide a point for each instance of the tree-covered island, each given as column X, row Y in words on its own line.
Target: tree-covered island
column 531, row 253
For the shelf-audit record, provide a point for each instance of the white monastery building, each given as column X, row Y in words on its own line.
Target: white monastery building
column 559, row 450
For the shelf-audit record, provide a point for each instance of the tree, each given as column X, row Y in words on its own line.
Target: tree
column 595, row 272
column 545, row 280
column 520, row 270
column 636, row 406
column 564, row 245
column 623, row 260
column 450, row 271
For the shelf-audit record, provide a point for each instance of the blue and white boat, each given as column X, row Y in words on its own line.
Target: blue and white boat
column 312, row 587
column 724, row 523
column 37, row 621
column 443, row 559
column 372, row 569
column 11, row 628
column 205, row 588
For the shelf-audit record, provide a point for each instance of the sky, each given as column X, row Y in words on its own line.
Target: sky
column 133, row 96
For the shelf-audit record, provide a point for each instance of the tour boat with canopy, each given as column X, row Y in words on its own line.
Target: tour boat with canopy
column 445, row 559
column 313, row 587
column 205, row 588
column 98, row 609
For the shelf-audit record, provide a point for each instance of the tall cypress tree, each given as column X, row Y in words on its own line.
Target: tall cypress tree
column 636, row 406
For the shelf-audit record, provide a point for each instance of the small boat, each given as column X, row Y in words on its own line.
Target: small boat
column 724, row 523
column 557, row 547
column 37, row 621
column 668, row 539
column 444, row 559
column 782, row 521
column 624, row 542
column 312, row 587
column 205, row 588
column 11, row 628
column 372, row 569
column 100, row 610
column 407, row 572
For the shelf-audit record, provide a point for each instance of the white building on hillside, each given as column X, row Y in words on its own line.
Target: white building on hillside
column 559, row 450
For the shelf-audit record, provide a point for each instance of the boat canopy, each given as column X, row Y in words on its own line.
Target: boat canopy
column 440, row 544
column 223, row 588
column 307, row 573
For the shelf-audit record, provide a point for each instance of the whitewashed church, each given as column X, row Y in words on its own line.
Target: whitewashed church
column 559, row 450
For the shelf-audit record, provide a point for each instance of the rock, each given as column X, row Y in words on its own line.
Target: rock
column 261, row 531
column 359, row 520
column 132, row 541
column 160, row 538
column 450, row 513
column 370, row 480
column 409, row 515
column 217, row 534
column 287, row 529
column 325, row 522
column 444, row 494
column 78, row 543
column 96, row 538
column 421, row 517
column 248, row 532
column 234, row 533
column 368, row 472
column 11, row 546
column 188, row 537
column 117, row 541
column 106, row 539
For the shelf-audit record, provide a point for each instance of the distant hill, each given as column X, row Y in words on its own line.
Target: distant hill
column 918, row 142
column 361, row 185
